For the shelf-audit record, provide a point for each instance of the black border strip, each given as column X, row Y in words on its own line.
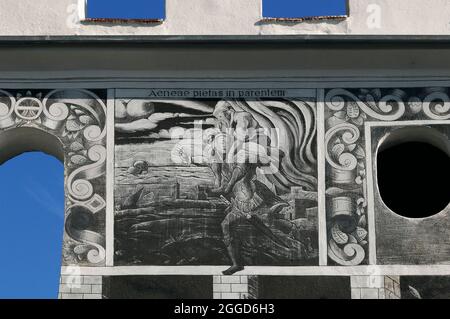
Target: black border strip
column 226, row 39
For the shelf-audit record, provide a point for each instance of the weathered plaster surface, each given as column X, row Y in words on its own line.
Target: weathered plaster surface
column 230, row 17
column 401, row 17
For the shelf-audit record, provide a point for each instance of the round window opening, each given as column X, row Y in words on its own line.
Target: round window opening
column 414, row 173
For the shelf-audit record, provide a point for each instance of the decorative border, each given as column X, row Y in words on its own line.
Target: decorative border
column 78, row 119
column 346, row 111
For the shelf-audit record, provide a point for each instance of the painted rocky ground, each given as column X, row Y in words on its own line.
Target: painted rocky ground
column 159, row 229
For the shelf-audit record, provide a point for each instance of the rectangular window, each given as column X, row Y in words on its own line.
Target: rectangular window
column 292, row 9
column 126, row 9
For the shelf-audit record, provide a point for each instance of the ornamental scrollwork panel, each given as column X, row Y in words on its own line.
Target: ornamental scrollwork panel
column 78, row 119
column 346, row 111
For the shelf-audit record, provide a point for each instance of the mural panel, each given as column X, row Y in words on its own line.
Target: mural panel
column 78, row 119
column 215, row 181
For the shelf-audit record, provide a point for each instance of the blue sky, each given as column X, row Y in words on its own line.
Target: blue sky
column 155, row 9
column 31, row 226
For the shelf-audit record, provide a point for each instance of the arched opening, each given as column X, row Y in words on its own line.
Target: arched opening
column 413, row 172
column 31, row 213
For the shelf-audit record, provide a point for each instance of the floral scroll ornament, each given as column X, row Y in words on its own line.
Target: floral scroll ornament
column 435, row 104
column 78, row 119
column 7, row 107
column 346, row 167
column 389, row 107
column 347, row 234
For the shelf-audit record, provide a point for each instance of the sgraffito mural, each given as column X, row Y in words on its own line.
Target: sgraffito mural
column 348, row 112
column 78, row 119
column 233, row 181
column 215, row 182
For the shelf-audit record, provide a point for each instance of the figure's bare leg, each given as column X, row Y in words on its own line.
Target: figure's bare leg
column 237, row 266
column 232, row 245
column 217, row 171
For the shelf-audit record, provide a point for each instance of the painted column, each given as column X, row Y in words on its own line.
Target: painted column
column 231, row 287
column 375, row 287
column 80, row 287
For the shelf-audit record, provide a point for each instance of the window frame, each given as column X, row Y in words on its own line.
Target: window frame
column 306, row 18
column 83, row 13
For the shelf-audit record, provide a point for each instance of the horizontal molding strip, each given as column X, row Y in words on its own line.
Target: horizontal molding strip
column 401, row 270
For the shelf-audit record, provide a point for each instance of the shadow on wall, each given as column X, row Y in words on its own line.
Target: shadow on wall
column 314, row 287
column 158, row 287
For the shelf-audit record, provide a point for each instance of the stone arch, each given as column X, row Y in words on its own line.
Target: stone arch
column 70, row 125
column 16, row 141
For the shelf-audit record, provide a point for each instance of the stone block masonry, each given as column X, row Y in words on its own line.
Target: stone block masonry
column 375, row 287
column 80, row 287
column 230, row 287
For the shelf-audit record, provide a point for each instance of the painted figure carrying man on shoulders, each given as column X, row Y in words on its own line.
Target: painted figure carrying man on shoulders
column 237, row 150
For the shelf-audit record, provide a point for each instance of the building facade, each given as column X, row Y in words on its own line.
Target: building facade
column 217, row 137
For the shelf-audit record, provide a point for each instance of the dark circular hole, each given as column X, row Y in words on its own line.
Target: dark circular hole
column 414, row 178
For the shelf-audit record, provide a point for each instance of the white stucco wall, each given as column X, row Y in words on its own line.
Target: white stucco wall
column 227, row 17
